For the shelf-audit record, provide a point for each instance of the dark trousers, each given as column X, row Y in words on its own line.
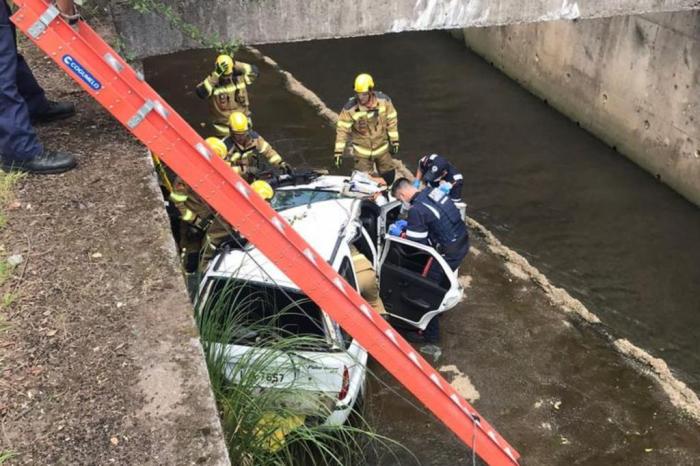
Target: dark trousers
column 20, row 96
column 456, row 191
column 454, row 255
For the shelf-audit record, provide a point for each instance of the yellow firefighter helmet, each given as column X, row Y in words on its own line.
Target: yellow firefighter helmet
column 225, row 62
column 238, row 122
column 263, row 189
column 217, row 145
column 364, row 83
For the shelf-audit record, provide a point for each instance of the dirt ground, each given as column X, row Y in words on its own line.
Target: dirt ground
column 101, row 363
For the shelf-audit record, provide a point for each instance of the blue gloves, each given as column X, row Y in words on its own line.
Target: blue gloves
column 446, row 187
column 398, row 227
column 416, row 184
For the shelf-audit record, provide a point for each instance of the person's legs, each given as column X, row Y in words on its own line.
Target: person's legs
column 369, row 289
column 30, row 89
column 432, row 331
column 402, row 170
column 364, row 164
column 456, row 254
column 18, row 141
column 456, row 191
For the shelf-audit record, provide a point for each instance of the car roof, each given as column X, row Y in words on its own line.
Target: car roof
column 318, row 223
column 326, row 182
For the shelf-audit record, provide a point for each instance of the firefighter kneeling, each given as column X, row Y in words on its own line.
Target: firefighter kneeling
column 247, row 151
column 202, row 232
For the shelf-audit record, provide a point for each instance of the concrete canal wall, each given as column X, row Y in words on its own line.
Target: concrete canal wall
column 630, row 80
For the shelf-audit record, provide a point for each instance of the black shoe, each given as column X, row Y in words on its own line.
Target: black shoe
column 50, row 161
column 54, row 111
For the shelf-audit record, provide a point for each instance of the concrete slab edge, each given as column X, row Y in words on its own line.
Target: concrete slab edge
column 200, row 389
column 678, row 392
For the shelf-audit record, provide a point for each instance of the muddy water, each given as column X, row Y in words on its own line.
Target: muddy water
column 594, row 223
column 590, row 220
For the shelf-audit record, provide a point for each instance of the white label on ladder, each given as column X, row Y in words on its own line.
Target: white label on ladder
column 158, row 107
column 113, row 62
column 203, row 151
column 38, row 28
column 141, row 114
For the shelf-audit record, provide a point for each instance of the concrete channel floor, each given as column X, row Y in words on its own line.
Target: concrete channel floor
column 552, row 386
column 100, row 363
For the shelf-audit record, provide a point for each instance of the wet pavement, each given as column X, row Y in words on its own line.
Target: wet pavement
column 556, row 390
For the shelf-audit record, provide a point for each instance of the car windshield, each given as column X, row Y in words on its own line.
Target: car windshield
column 289, row 198
column 250, row 313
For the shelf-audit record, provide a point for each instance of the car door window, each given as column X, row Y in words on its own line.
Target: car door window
column 413, row 281
column 389, row 214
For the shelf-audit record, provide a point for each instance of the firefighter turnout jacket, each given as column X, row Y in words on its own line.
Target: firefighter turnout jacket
column 228, row 94
column 370, row 129
column 247, row 156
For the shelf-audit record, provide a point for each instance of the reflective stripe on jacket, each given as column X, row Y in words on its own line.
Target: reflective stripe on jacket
column 433, row 219
column 247, row 154
column 228, row 94
column 370, row 130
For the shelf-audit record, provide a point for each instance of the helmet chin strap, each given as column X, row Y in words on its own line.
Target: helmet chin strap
column 371, row 99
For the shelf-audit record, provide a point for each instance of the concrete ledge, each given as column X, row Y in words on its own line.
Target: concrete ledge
column 258, row 22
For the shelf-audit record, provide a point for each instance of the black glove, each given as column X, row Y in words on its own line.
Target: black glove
column 286, row 168
column 394, row 148
column 221, row 69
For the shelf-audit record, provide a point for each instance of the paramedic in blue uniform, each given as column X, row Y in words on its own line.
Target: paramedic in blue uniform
column 22, row 101
column 435, row 169
column 434, row 220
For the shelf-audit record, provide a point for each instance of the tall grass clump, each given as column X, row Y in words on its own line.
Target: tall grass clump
column 282, row 425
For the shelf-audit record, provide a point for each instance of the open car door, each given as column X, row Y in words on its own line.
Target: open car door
column 410, row 297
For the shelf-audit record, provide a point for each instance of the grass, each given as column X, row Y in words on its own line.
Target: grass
column 8, row 298
column 280, row 425
column 8, row 182
column 5, row 271
column 6, row 455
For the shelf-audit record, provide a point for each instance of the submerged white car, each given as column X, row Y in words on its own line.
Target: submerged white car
column 332, row 213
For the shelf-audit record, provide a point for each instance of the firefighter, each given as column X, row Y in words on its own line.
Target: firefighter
column 437, row 172
column 227, row 91
column 370, row 123
column 201, row 230
column 246, row 149
column 434, row 220
column 263, row 189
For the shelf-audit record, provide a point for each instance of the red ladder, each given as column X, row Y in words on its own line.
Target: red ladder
column 96, row 67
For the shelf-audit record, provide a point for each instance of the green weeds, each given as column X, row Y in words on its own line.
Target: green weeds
column 212, row 41
column 275, row 423
column 6, row 455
